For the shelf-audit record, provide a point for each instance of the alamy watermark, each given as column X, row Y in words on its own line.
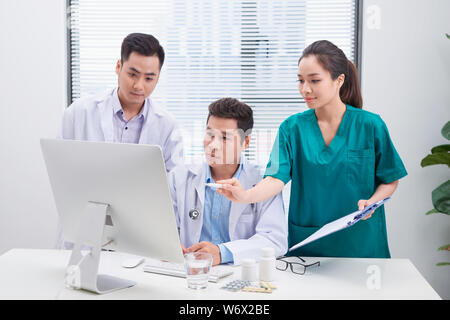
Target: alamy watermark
column 373, row 282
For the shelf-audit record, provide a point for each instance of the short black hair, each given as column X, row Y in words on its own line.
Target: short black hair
column 144, row 44
column 231, row 108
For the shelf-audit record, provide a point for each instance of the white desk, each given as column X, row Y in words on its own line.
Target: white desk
column 39, row 274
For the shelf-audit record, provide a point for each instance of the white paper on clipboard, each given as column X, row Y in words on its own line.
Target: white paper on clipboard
column 339, row 224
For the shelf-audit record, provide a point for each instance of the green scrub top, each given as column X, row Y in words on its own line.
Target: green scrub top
column 328, row 182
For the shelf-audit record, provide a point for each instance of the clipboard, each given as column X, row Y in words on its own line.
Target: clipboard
column 341, row 223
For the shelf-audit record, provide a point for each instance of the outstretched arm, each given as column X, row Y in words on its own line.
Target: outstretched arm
column 265, row 189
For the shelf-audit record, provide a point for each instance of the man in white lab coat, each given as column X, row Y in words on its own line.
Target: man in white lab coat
column 126, row 113
column 210, row 222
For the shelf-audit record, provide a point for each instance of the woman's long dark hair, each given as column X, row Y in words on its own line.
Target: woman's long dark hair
column 334, row 60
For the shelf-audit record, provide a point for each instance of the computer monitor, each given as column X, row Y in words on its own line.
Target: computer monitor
column 112, row 193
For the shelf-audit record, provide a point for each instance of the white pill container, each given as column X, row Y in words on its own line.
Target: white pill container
column 267, row 264
column 249, row 270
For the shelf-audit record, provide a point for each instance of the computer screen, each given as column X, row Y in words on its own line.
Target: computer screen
column 128, row 182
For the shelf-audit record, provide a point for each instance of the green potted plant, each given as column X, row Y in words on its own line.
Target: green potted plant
column 441, row 195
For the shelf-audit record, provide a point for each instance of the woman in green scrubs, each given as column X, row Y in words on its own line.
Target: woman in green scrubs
column 339, row 158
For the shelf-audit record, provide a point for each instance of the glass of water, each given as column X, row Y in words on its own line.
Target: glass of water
column 198, row 265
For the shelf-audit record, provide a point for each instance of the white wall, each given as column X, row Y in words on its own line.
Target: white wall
column 32, row 97
column 406, row 73
column 406, row 79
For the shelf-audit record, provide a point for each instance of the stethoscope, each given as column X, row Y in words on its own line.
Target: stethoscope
column 194, row 213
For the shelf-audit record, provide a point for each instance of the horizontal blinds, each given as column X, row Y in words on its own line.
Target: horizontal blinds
column 243, row 49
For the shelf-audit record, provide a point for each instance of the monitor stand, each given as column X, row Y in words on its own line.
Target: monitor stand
column 90, row 234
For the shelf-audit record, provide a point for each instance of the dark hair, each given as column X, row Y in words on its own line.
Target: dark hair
column 231, row 108
column 144, row 44
column 334, row 60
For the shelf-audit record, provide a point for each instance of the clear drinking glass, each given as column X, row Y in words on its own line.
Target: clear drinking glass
column 198, row 265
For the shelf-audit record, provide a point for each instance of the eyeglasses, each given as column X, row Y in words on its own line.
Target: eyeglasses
column 297, row 267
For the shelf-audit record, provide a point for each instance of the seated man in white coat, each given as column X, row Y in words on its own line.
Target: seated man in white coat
column 208, row 221
column 126, row 113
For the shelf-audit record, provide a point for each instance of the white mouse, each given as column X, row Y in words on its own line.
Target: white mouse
column 132, row 262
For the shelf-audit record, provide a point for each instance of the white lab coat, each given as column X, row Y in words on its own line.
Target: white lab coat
column 251, row 226
column 91, row 119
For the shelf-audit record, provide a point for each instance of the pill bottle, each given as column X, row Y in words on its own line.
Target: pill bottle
column 249, row 270
column 267, row 264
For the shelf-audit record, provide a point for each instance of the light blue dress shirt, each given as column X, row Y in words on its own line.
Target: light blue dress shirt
column 216, row 217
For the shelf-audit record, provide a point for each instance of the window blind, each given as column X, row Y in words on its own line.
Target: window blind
column 243, row 49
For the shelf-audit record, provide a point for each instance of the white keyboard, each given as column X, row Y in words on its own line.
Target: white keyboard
column 178, row 270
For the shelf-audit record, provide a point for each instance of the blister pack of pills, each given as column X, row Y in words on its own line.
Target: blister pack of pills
column 247, row 286
column 264, row 287
column 236, row 285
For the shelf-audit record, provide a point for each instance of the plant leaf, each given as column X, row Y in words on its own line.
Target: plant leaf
column 446, row 131
column 443, row 264
column 445, row 247
column 442, row 148
column 441, row 197
column 436, row 158
column 448, row 37
column 432, row 211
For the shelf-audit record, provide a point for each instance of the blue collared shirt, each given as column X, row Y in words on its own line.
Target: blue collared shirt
column 216, row 217
column 127, row 131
